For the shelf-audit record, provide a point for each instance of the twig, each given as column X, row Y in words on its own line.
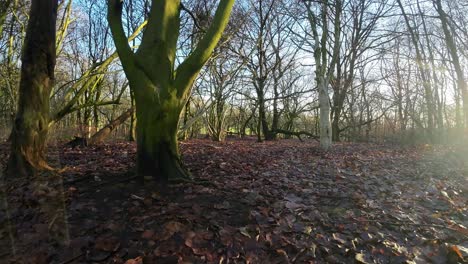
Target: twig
column 73, row 259
column 193, row 17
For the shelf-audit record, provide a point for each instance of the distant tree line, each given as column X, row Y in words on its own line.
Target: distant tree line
column 353, row 70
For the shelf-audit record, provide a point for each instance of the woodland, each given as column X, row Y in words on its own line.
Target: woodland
column 233, row 131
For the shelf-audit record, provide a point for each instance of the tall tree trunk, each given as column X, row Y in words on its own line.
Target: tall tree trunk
column 95, row 110
column 186, row 119
column 31, row 124
column 325, row 71
column 262, row 116
column 132, row 130
column 423, row 73
column 437, row 104
column 276, row 114
column 451, row 46
column 325, row 124
column 220, row 131
column 162, row 89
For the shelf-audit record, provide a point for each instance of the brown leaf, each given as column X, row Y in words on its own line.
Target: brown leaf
column 226, row 235
column 455, row 249
column 171, row 228
column 147, row 234
column 109, row 244
column 137, row 260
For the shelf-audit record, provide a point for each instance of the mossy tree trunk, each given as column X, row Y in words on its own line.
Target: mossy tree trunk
column 132, row 128
column 157, row 147
column 161, row 90
column 31, row 124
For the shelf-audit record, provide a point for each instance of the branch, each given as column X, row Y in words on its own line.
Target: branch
column 188, row 70
column 3, row 13
column 114, row 17
column 195, row 22
column 93, row 75
column 298, row 134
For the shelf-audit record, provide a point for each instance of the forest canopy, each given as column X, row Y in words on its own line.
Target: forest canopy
column 393, row 70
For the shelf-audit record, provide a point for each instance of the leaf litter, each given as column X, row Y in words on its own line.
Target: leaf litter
column 274, row 202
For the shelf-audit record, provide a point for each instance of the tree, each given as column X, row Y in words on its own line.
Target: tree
column 161, row 90
column 452, row 48
column 11, row 40
column 420, row 62
column 3, row 13
column 323, row 70
column 269, row 58
column 222, row 75
column 258, row 57
column 359, row 21
column 31, row 124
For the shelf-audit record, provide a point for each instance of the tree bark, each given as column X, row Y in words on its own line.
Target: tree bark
column 157, row 148
column 325, row 124
column 324, row 71
column 132, row 128
column 30, row 128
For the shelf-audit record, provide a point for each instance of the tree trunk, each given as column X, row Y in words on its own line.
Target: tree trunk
column 420, row 61
column 31, row 124
column 272, row 135
column 325, row 125
column 132, row 130
column 95, row 111
column 185, row 135
column 322, row 73
column 157, row 146
column 263, row 123
column 336, row 124
column 161, row 89
column 451, row 46
column 246, row 123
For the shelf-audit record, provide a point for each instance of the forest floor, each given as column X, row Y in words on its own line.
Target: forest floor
column 273, row 202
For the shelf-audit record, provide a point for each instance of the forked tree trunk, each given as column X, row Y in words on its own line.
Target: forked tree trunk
column 322, row 73
column 29, row 133
column 161, row 90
